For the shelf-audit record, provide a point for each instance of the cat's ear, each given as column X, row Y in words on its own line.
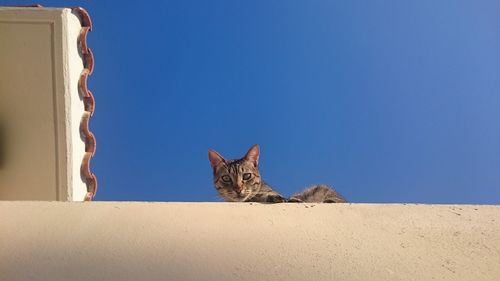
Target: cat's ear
column 215, row 158
column 253, row 155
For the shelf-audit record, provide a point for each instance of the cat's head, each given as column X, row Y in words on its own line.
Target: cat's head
column 236, row 180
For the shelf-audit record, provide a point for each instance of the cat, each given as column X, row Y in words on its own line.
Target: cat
column 240, row 181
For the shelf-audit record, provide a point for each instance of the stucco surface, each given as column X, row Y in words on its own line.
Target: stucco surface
column 245, row 241
column 40, row 105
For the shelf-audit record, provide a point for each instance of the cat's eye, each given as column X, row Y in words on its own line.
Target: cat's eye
column 226, row 178
column 247, row 176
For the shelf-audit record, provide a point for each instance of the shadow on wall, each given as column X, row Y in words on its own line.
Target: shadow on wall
column 3, row 135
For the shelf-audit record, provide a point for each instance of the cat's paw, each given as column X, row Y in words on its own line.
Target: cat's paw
column 294, row 200
column 275, row 199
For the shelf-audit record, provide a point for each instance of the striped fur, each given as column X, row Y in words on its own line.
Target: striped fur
column 318, row 193
column 240, row 181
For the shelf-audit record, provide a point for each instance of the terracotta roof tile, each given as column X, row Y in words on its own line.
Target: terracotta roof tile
column 89, row 103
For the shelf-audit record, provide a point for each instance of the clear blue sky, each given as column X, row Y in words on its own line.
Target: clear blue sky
column 389, row 101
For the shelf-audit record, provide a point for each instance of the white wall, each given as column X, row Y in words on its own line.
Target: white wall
column 240, row 241
column 40, row 105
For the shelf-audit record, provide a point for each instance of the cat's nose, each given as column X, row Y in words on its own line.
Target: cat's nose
column 238, row 189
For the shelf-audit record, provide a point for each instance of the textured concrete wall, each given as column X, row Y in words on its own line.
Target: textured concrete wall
column 239, row 241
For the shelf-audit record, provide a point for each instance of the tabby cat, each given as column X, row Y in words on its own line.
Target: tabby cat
column 240, row 181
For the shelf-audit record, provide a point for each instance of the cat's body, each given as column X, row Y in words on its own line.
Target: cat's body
column 240, row 181
column 318, row 193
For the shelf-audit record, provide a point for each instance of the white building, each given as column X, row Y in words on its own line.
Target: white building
column 45, row 151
